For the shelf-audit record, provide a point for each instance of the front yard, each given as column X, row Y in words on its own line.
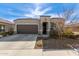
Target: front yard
column 52, row 43
column 59, row 44
column 39, row 43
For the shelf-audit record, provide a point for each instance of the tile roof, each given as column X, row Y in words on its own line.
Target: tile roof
column 6, row 21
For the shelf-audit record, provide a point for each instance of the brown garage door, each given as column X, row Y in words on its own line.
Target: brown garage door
column 27, row 29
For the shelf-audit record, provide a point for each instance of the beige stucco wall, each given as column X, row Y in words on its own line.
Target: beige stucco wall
column 39, row 22
column 44, row 19
column 59, row 22
column 8, row 27
column 26, row 21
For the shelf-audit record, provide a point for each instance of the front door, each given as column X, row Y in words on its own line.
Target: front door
column 44, row 27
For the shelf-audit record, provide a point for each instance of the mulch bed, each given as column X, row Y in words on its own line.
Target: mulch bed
column 54, row 43
column 39, row 43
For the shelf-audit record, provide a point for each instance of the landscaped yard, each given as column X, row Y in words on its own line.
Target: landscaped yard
column 39, row 43
column 51, row 43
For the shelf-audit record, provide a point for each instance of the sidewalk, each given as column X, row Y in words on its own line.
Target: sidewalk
column 37, row 52
column 28, row 52
column 60, row 53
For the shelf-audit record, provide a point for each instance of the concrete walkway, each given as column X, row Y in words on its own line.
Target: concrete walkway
column 37, row 52
column 60, row 53
column 27, row 52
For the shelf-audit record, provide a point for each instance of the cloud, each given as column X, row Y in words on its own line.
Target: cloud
column 34, row 10
column 37, row 11
column 54, row 15
column 29, row 15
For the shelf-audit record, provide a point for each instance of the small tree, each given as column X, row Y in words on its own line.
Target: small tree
column 53, row 31
column 67, row 15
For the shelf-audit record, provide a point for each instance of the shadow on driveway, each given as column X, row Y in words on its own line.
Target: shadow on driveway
column 20, row 37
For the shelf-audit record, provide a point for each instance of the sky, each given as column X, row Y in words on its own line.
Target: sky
column 12, row 11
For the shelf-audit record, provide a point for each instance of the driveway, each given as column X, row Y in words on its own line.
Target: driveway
column 23, row 45
column 18, row 42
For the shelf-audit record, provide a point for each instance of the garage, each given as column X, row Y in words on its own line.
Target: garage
column 27, row 29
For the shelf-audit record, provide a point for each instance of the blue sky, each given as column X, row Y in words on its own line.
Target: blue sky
column 12, row 11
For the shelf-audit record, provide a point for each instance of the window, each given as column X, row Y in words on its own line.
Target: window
column 53, row 26
column 2, row 28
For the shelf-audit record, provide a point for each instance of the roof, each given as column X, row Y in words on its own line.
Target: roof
column 5, row 21
column 44, row 16
column 57, row 18
column 26, row 19
column 38, row 18
column 71, row 25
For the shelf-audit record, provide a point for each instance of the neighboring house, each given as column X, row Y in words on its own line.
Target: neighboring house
column 74, row 27
column 40, row 26
column 6, row 25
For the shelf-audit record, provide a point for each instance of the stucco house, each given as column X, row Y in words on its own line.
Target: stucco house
column 41, row 26
column 6, row 25
column 73, row 27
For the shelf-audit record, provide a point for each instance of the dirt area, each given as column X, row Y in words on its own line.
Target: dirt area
column 59, row 44
column 39, row 43
column 51, row 43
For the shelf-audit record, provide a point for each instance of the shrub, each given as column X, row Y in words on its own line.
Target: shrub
column 68, row 33
column 6, row 33
column 10, row 32
column 3, row 33
column 54, row 34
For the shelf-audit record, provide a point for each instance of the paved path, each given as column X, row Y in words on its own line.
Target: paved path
column 19, row 41
column 60, row 53
column 37, row 52
column 27, row 52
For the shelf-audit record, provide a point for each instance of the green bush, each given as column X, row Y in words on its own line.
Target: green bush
column 7, row 33
column 3, row 33
column 10, row 32
column 54, row 34
column 68, row 33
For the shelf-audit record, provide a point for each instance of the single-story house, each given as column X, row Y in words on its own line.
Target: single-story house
column 41, row 26
column 6, row 25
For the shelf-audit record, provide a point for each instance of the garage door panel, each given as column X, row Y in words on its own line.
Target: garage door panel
column 26, row 32
column 27, row 29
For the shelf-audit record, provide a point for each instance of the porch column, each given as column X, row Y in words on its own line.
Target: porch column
column 15, row 28
column 48, row 27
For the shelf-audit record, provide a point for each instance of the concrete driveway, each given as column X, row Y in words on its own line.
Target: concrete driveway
column 23, row 45
column 18, row 42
